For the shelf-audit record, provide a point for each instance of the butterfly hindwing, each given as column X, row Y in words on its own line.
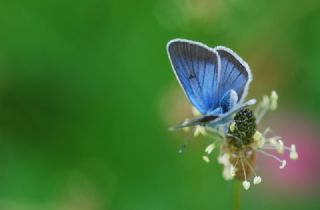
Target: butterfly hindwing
column 196, row 68
column 229, row 100
column 235, row 74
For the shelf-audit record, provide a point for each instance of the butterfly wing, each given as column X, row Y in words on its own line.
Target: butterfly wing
column 196, row 68
column 235, row 74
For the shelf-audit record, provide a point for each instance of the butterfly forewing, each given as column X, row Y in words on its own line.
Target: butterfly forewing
column 196, row 67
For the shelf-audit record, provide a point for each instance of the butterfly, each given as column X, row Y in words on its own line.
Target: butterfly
column 215, row 80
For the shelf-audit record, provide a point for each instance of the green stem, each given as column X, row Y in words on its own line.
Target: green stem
column 237, row 190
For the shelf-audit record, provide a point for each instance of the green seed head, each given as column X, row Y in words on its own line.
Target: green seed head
column 243, row 128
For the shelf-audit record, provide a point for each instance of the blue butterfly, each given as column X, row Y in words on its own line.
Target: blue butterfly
column 215, row 80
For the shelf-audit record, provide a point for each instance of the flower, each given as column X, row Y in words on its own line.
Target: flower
column 246, row 185
column 240, row 141
column 257, row 180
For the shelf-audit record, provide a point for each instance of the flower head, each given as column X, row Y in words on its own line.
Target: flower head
column 240, row 141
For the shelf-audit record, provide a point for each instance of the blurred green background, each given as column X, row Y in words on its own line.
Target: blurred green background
column 87, row 95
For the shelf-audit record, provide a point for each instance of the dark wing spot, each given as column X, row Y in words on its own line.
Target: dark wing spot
column 191, row 76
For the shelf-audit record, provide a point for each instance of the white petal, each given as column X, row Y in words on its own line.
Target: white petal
column 224, row 159
column 232, row 126
column 294, row 155
column 233, row 171
column 259, row 139
column 246, row 185
column 257, row 180
column 283, row 164
column 206, row 159
column 210, row 148
column 273, row 100
column 200, row 130
column 280, row 147
column 227, row 174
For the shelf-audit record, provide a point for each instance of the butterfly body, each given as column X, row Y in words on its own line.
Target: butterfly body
column 215, row 80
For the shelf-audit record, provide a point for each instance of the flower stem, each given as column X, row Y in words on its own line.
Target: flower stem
column 236, row 204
